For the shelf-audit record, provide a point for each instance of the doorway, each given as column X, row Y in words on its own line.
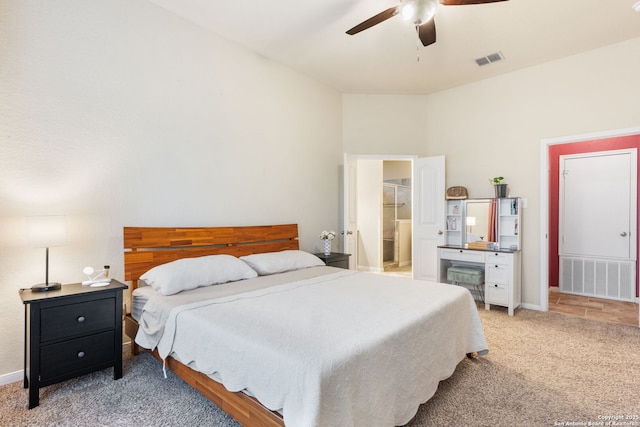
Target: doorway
column 396, row 216
column 550, row 150
column 417, row 233
column 597, row 218
column 383, row 201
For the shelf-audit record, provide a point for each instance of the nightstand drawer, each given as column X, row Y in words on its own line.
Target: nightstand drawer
column 76, row 355
column 77, row 319
column 340, row 264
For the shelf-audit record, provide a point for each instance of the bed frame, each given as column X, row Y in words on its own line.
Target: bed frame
column 147, row 247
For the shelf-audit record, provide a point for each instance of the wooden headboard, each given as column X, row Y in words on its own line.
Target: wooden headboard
column 147, row 247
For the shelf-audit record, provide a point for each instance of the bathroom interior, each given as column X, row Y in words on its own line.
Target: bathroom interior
column 396, row 216
column 384, row 194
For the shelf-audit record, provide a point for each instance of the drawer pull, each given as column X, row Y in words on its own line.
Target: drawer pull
column 81, row 319
column 80, row 354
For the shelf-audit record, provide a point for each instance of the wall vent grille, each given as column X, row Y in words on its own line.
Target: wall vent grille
column 490, row 59
column 600, row 278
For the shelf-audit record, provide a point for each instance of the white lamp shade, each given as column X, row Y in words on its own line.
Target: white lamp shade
column 47, row 231
column 418, row 12
column 471, row 221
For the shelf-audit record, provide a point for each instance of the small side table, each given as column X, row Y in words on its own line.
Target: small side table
column 70, row 332
column 335, row 259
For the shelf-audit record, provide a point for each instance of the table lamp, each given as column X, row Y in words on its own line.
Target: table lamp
column 46, row 232
column 471, row 221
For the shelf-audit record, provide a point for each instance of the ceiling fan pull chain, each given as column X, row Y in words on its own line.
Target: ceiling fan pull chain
column 417, row 44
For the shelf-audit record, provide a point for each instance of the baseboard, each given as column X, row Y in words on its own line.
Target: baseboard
column 536, row 307
column 11, row 377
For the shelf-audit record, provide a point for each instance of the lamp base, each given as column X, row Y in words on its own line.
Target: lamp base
column 44, row 287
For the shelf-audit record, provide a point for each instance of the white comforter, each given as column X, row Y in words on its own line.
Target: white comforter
column 342, row 349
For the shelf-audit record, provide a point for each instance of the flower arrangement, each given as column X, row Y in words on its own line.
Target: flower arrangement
column 328, row 235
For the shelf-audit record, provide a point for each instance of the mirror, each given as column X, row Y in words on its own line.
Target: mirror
column 478, row 220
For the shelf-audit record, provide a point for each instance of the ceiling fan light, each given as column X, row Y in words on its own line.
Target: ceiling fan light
column 417, row 12
column 408, row 10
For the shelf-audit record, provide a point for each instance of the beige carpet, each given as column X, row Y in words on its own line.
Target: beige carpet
column 543, row 369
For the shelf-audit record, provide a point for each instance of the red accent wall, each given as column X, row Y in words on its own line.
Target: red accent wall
column 555, row 151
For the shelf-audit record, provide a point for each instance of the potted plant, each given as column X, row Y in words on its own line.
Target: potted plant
column 501, row 189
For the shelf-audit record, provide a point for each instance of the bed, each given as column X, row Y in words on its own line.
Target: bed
column 297, row 342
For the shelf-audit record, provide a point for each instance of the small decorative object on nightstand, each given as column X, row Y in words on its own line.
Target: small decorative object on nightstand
column 96, row 278
column 335, row 259
column 327, row 237
column 69, row 332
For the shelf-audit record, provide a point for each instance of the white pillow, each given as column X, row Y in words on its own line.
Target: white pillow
column 191, row 273
column 280, row 262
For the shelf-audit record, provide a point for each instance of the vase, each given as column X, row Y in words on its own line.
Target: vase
column 327, row 247
column 501, row 190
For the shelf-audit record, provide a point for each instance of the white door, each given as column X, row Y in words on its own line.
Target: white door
column 597, row 214
column 350, row 230
column 428, row 215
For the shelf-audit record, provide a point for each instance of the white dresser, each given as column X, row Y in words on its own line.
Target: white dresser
column 501, row 272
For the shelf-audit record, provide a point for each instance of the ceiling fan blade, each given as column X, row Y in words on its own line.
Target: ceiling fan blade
column 427, row 32
column 374, row 20
column 465, row 2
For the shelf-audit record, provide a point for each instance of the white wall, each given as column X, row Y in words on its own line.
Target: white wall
column 494, row 127
column 369, row 179
column 115, row 113
column 384, row 124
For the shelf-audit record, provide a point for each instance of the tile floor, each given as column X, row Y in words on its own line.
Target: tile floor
column 594, row 308
column 394, row 270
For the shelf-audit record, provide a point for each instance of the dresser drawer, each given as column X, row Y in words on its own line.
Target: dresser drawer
column 497, row 273
column 76, row 355
column 499, row 258
column 462, row 255
column 77, row 319
column 496, row 293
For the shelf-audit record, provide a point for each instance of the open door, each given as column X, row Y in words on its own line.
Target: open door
column 350, row 230
column 428, row 215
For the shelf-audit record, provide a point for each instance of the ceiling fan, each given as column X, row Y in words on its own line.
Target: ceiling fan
column 417, row 12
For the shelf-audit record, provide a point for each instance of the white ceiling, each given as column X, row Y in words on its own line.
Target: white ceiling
column 309, row 36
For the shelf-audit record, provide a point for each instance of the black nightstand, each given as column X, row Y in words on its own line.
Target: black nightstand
column 70, row 332
column 335, row 259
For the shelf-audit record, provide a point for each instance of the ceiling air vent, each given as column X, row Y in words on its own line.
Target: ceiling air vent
column 486, row 60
